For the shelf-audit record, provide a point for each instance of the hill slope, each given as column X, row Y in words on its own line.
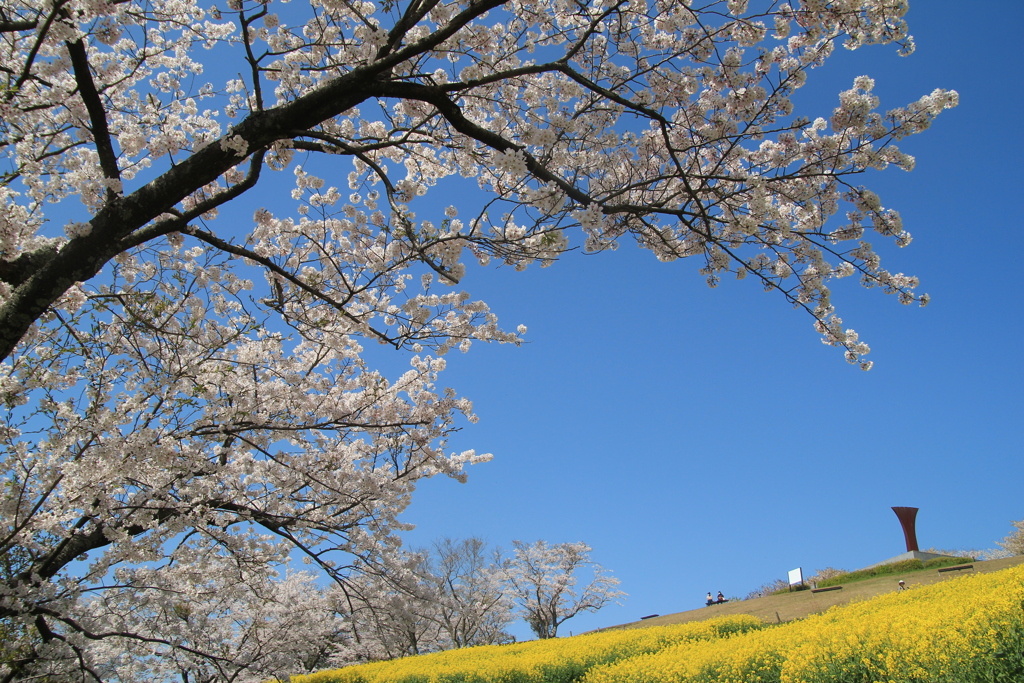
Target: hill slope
column 797, row 605
column 969, row 630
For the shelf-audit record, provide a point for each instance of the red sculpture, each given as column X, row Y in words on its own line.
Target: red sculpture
column 907, row 517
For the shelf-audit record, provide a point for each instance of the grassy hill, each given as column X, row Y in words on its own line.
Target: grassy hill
column 799, row 604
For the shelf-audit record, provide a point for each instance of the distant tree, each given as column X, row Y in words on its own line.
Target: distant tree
column 258, row 627
column 826, row 573
column 447, row 596
column 967, row 554
column 393, row 610
column 472, row 607
column 1013, row 544
column 770, row 588
column 542, row 580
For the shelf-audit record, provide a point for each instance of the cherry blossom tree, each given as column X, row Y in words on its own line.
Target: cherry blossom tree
column 823, row 574
column 223, row 627
column 1013, row 544
column 229, row 627
column 542, row 580
column 393, row 610
column 177, row 387
column 472, row 606
column 448, row 596
column 770, row 588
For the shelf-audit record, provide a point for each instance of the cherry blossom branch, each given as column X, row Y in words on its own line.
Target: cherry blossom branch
column 58, row 8
column 181, row 219
column 277, row 270
column 436, row 96
column 254, row 64
column 82, row 257
column 97, row 115
column 13, row 26
column 414, row 13
column 100, row 635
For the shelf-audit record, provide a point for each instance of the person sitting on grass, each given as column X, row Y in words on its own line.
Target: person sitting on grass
column 711, row 600
column 721, row 598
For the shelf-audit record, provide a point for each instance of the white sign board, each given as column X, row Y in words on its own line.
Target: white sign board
column 796, row 576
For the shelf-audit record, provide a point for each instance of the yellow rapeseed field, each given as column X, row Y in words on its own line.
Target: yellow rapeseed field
column 959, row 631
column 557, row 660
column 965, row 630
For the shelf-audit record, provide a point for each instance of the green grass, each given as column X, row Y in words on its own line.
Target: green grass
column 904, row 567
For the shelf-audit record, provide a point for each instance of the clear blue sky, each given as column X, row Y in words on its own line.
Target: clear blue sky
column 705, row 439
